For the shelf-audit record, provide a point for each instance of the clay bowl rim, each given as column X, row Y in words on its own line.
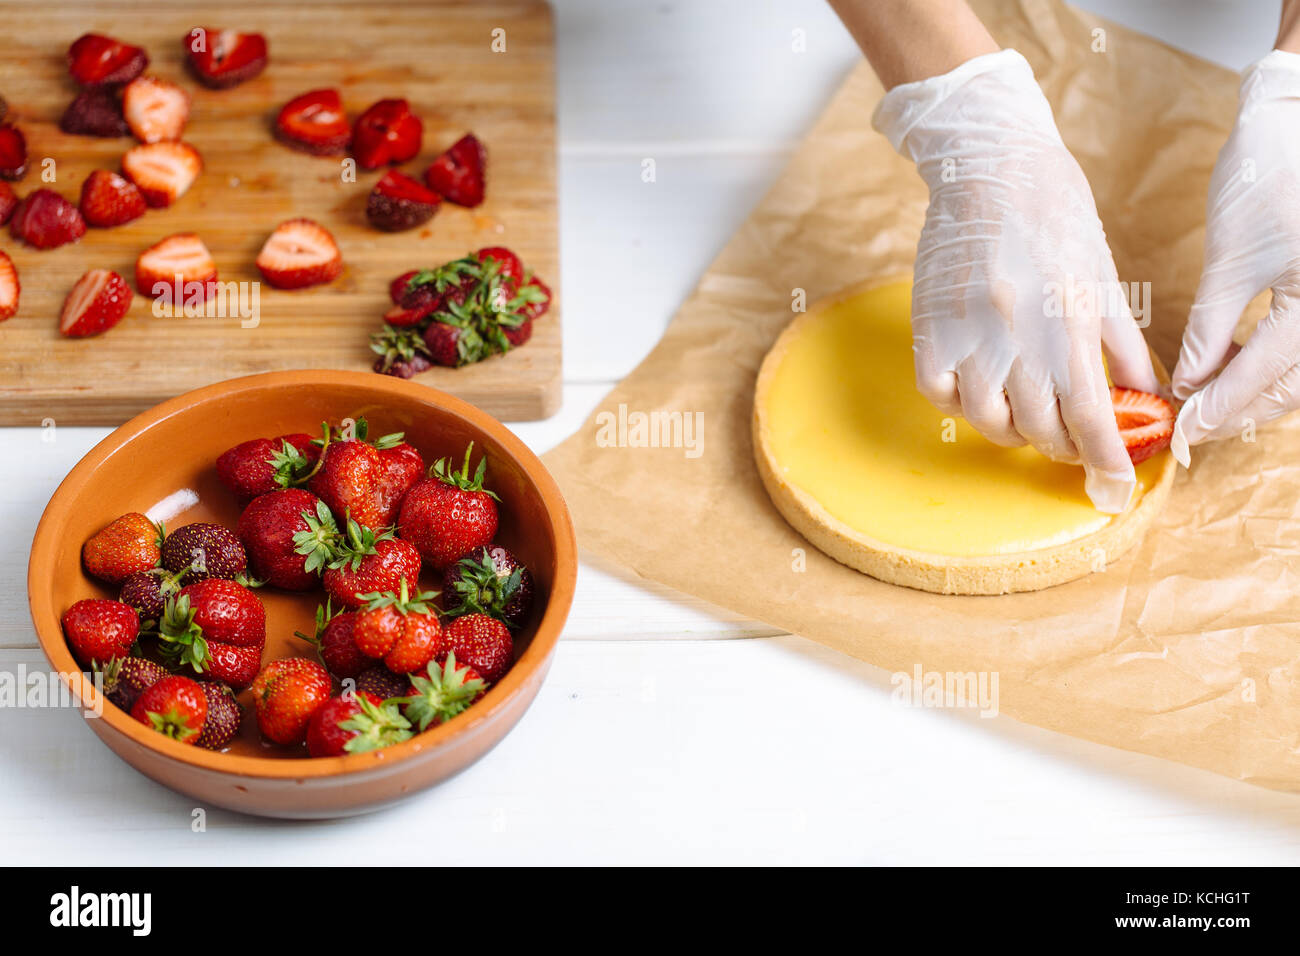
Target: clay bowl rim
column 80, row 480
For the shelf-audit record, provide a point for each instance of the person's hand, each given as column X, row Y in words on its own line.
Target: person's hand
column 1015, row 290
column 1252, row 243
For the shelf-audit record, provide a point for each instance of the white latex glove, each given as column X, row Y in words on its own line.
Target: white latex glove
column 1010, row 215
column 1252, row 243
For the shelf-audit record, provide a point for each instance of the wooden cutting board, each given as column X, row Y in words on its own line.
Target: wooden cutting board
column 438, row 56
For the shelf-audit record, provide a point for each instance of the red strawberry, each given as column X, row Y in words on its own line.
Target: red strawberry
column 401, row 628
column 403, row 367
column 489, row 581
column 314, row 122
column 10, row 288
column 449, row 514
column 520, row 334
column 13, row 152
column 364, row 479
column 400, row 318
column 403, row 467
column 288, row 538
column 224, row 716
column 355, row 723
column 387, row 132
column 203, row 550
column 108, row 200
column 155, row 109
column 221, row 59
column 96, row 303
column 262, row 465
column 184, row 255
column 226, row 611
column 45, row 219
column 124, row 546
column 441, row 692
column 175, row 707
column 399, row 202
column 95, row 111
column 382, row 682
column 98, row 629
column 287, row 693
column 397, row 288
column 233, row 665
column 148, row 591
column 94, row 60
column 481, row 642
column 458, row 174
column 126, row 678
column 401, row 352
column 452, row 345
column 299, row 253
column 537, row 295
column 8, row 202
column 367, row 563
column 163, row 171
column 333, row 641
column 1146, row 422
column 508, row 264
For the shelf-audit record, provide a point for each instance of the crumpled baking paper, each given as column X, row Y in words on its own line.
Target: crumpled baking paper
column 1187, row 648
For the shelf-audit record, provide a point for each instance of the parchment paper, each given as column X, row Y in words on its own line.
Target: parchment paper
column 1188, row 647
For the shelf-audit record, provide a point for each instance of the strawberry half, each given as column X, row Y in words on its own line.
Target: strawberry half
column 387, row 132
column 96, row 303
column 315, row 123
column 163, row 171
column 183, row 255
column 299, row 253
column 8, row 202
column 95, row 112
column 9, row 287
column 459, row 174
column 13, row 152
column 45, row 219
column 220, row 59
column 94, row 59
column 399, row 202
column 155, row 109
column 1146, row 422
column 108, row 200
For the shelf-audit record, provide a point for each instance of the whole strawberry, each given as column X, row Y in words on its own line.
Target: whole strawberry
column 216, row 628
column 148, row 591
column 288, row 538
column 224, row 715
column 382, row 682
column 481, row 642
column 355, row 723
column 226, row 611
column 333, row 641
column 175, row 706
column 489, row 581
column 403, row 467
column 233, row 665
column 287, row 693
column 365, row 480
column 441, row 692
column 400, row 628
column 262, row 465
column 204, row 550
column 449, row 514
column 126, row 545
column 126, row 678
column 98, row 630
column 367, row 563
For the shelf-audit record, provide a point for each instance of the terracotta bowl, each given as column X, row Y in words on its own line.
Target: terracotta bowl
column 165, row 457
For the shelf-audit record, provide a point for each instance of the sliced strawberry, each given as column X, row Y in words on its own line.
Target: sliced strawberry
column 396, row 288
column 108, row 200
column 94, row 59
column 155, row 109
column 299, row 253
column 399, row 202
column 180, row 258
column 13, row 152
column 221, row 59
column 401, row 318
column 1146, row 422
column 95, row 112
column 45, row 219
column 8, row 202
column 96, row 303
column 163, row 171
column 315, row 123
column 459, row 174
column 387, row 132
column 9, row 287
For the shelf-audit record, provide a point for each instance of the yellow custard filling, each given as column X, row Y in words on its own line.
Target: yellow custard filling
column 847, row 426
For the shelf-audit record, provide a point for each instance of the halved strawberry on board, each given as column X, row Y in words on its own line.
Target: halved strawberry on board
column 299, row 253
column 44, row 219
column 96, row 303
column 9, row 287
column 459, row 174
column 1146, row 422
column 108, row 200
column 13, row 152
column 220, row 59
column 399, row 202
column 315, row 122
column 8, row 202
column 95, row 111
column 163, row 171
column 94, row 59
column 180, row 258
column 155, row 109
column 387, row 132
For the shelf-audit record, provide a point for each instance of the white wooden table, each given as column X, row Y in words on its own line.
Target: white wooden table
column 664, row 733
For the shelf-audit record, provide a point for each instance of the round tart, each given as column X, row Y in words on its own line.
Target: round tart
column 860, row 464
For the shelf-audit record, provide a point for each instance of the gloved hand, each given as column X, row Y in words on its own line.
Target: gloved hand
column 1252, row 243
column 1011, row 232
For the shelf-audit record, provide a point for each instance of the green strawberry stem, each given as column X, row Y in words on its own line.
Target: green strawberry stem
column 402, row 602
column 376, row 726
column 442, row 694
column 181, row 641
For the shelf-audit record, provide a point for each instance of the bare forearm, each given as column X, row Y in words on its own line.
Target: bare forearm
column 909, row 40
column 1288, row 33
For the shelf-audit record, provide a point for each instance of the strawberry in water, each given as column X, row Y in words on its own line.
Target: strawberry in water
column 175, row 706
column 98, row 629
column 287, row 693
column 124, row 546
column 449, row 514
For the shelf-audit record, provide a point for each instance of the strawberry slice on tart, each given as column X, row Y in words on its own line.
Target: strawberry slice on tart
column 1146, row 422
